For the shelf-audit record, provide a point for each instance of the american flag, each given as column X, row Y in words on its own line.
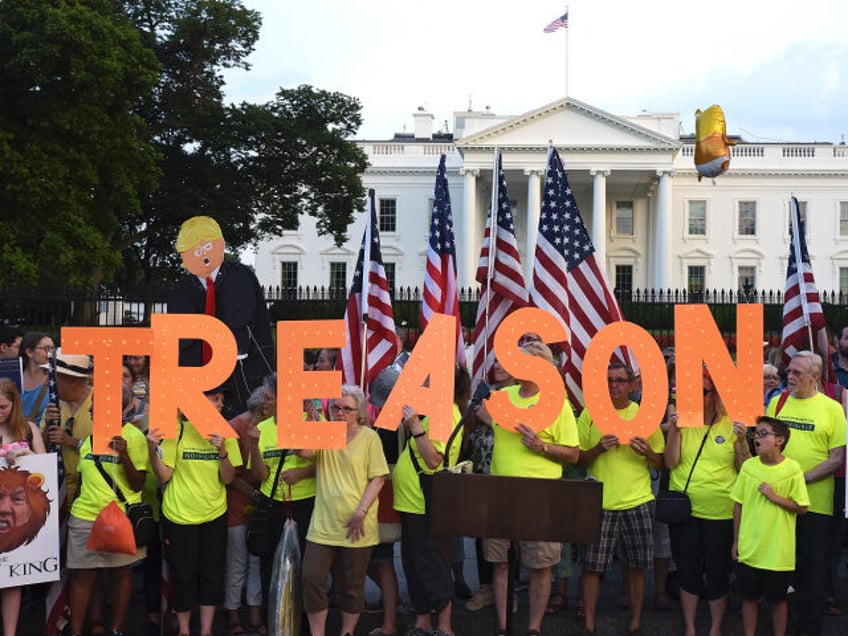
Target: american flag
column 502, row 289
column 560, row 23
column 369, row 308
column 803, row 319
column 440, row 292
column 57, row 599
column 568, row 281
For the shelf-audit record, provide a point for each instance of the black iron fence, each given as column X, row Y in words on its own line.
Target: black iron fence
column 653, row 310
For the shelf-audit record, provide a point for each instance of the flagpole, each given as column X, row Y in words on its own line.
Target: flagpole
column 366, row 281
column 490, row 265
column 567, row 12
column 799, row 267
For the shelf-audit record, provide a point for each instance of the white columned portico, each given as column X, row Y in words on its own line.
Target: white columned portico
column 534, row 206
column 599, row 215
column 468, row 250
column 662, row 231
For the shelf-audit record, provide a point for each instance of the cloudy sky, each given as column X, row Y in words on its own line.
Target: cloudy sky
column 778, row 69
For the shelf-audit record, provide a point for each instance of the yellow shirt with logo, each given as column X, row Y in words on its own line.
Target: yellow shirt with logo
column 626, row 476
column 715, row 472
column 511, row 458
column 341, row 478
column 817, row 425
column 195, row 493
column 96, row 491
column 271, row 453
column 766, row 530
column 80, row 428
column 407, row 489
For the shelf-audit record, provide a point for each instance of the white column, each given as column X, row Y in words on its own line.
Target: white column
column 534, row 206
column 599, row 215
column 468, row 243
column 662, row 231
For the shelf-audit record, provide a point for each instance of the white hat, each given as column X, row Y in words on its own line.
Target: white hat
column 78, row 366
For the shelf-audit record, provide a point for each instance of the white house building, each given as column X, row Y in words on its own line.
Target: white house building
column 652, row 223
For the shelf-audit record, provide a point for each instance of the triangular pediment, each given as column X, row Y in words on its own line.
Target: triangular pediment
column 568, row 123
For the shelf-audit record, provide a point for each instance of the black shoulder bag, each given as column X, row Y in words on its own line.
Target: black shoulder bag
column 673, row 507
column 265, row 523
column 140, row 514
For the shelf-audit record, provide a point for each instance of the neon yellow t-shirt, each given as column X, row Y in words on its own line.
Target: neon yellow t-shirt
column 407, row 489
column 304, row 489
column 817, row 425
column 626, row 476
column 766, row 530
column 341, row 478
column 195, row 493
column 81, row 427
column 511, row 458
column 715, row 472
column 96, row 492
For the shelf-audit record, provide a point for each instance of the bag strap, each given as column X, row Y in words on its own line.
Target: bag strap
column 415, row 463
column 700, row 448
column 781, row 401
column 112, row 484
column 279, row 470
column 38, row 400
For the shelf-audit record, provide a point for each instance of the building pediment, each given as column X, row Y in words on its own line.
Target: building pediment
column 569, row 124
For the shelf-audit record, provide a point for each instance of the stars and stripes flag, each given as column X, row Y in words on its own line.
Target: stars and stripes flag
column 440, row 290
column 560, row 23
column 371, row 339
column 803, row 318
column 57, row 597
column 502, row 282
column 568, row 281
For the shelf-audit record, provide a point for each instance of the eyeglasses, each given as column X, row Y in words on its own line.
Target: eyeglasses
column 47, row 348
column 617, row 380
column 527, row 339
column 761, row 432
column 771, row 377
column 345, row 409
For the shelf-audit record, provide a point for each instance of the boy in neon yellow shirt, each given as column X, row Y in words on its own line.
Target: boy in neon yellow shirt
column 769, row 493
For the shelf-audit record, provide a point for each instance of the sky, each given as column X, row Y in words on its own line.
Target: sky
column 778, row 69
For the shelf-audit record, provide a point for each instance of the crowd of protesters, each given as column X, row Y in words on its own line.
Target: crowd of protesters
column 786, row 471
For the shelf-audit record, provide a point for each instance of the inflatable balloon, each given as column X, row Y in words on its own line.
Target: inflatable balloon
column 712, row 147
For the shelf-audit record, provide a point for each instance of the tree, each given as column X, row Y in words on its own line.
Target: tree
column 73, row 156
column 114, row 130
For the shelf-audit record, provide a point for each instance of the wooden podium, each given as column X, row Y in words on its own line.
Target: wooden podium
column 516, row 508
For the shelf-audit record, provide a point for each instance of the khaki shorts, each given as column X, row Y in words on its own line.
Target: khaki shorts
column 535, row 555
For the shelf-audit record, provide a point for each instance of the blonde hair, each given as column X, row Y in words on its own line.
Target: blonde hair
column 197, row 230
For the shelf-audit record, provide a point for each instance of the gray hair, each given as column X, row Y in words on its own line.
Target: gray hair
column 351, row 390
column 256, row 399
column 814, row 361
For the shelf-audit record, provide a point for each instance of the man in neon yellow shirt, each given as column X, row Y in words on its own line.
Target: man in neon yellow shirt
column 521, row 452
column 769, row 493
column 628, row 509
column 818, row 445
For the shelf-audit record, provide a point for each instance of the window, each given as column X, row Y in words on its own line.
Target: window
column 802, row 218
column 390, row 277
column 338, row 279
column 288, row 275
column 747, row 218
column 746, row 278
column 388, row 215
column 696, row 277
column 843, row 219
column 624, row 281
column 843, row 281
column 697, row 218
column 624, row 218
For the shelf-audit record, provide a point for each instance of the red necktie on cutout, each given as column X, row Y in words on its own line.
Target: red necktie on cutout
column 210, row 311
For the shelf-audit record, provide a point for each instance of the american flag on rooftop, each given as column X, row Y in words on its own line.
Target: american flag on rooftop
column 560, row 23
column 369, row 310
column 568, row 281
column 440, row 289
column 502, row 288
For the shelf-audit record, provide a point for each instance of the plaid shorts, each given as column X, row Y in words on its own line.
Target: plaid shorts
column 635, row 528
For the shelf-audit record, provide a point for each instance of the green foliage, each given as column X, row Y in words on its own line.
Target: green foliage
column 113, row 131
